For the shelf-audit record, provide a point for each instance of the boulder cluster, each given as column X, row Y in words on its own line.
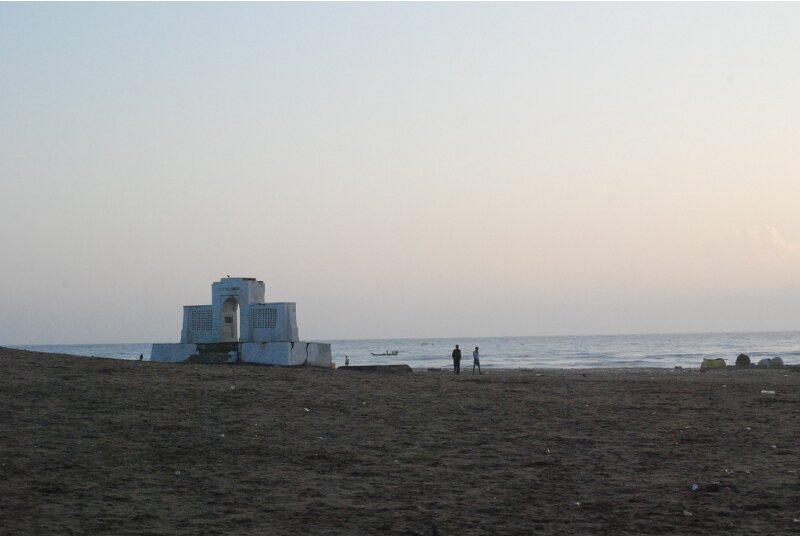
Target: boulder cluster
column 744, row 361
column 771, row 362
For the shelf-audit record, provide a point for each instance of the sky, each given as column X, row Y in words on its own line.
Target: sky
column 400, row 170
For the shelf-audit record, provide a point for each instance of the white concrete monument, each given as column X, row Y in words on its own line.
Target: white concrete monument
column 239, row 326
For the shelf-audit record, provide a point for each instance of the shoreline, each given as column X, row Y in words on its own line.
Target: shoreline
column 445, row 368
column 111, row 446
column 534, row 352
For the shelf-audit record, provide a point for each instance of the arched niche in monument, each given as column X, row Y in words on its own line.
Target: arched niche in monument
column 230, row 320
column 229, row 296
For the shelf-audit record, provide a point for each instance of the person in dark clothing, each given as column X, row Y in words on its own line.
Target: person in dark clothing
column 457, row 360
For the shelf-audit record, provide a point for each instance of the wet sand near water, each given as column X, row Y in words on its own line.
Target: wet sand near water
column 100, row 446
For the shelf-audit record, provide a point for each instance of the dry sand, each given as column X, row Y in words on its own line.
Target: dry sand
column 97, row 446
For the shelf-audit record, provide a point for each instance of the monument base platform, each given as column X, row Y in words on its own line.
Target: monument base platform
column 288, row 353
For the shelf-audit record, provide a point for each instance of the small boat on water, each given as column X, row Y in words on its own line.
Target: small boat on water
column 387, row 353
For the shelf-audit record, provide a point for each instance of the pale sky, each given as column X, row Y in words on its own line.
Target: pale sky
column 400, row 170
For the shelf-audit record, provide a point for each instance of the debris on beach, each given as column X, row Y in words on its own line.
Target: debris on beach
column 714, row 486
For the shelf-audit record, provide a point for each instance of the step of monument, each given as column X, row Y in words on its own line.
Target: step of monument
column 211, row 358
column 222, row 347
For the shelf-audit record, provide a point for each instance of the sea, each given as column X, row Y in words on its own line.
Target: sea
column 638, row 350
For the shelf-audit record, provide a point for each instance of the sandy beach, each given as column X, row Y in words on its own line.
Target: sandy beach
column 100, row 446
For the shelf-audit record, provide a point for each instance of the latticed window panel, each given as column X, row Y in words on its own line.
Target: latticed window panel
column 201, row 320
column 265, row 318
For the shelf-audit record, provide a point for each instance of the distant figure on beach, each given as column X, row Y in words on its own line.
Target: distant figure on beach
column 141, row 357
column 457, row 360
column 346, row 361
column 476, row 360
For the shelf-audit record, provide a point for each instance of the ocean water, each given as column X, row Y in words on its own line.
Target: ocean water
column 640, row 350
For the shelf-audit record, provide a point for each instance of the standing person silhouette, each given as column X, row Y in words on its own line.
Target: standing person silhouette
column 457, row 360
column 476, row 360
